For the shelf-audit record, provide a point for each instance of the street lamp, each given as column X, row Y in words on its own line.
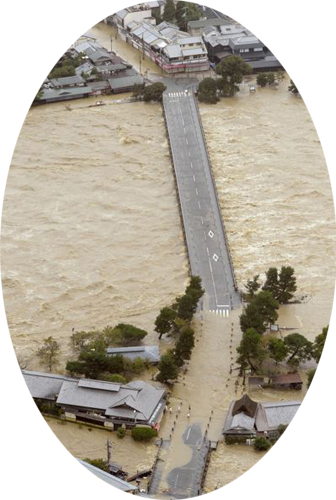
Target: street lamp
column 134, row 411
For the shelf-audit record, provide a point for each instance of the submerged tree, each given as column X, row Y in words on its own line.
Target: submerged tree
column 277, row 349
column 207, row 91
column 168, row 369
column 49, row 353
column 251, row 350
column 299, row 348
column 319, row 344
column 260, row 312
column 293, row 88
column 231, row 70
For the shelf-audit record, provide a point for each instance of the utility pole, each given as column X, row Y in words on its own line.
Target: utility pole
column 111, row 42
column 109, row 455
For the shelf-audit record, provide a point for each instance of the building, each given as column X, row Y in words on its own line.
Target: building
column 68, row 81
column 56, row 95
column 171, row 49
column 95, row 401
column 148, row 353
column 125, row 83
column 195, row 28
column 109, row 478
column 247, row 419
column 286, row 381
column 135, row 13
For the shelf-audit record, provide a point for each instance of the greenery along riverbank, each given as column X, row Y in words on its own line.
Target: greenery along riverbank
column 262, row 352
column 89, row 348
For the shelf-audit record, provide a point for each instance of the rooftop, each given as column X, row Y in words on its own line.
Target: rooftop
column 67, row 80
column 134, row 400
column 125, row 82
column 150, row 353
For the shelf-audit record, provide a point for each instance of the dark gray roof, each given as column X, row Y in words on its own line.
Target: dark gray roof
column 43, row 385
column 67, row 80
column 108, row 478
column 267, row 62
column 271, row 415
column 208, row 22
column 150, row 352
column 112, row 67
column 100, row 85
column 125, row 82
column 100, row 55
column 67, row 92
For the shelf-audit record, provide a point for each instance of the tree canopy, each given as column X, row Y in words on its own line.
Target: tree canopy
column 319, row 344
column 293, row 88
column 154, row 92
column 260, row 312
column 168, row 369
column 169, row 11
column 281, row 284
column 231, row 70
column 251, row 350
column 299, row 348
column 207, row 91
column 49, row 353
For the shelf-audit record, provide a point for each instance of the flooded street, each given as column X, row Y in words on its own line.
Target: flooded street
column 91, row 236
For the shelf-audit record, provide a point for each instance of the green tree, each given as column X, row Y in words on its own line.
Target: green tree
column 154, row 92
column 168, row 369
column 293, row 88
column 130, row 335
column 319, row 344
column 186, row 305
column 252, row 286
column 169, row 11
column 165, row 321
column 231, row 70
column 81, row 338
column 272, row 281
column 270, row 78
column 286, row 285
column 185, row 12
column 260, row 312
column 142, row 433
column 299, row 348
column 100, row 463
column 251, row 350
column 49, row 353
column 311, row 374
column 277, row 349
column 261, row 444
column 184, row 345
column 207, row 91
column 262, row 79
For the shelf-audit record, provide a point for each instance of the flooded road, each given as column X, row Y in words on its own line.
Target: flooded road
column 91, row 236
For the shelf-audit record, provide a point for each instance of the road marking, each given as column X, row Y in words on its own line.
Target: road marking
column 196, row 191
column 186, row 140
column 194, row 178
column 199, row 205
column 215, row 257
column 188, row 152
column 202, row 220
column 211, row 234
column 188, row 433
column 207, row 250
column 191, row 165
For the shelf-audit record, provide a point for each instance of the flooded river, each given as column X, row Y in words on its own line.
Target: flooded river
column 91, row 232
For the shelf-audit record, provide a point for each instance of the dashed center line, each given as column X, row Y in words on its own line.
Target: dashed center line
column 196, row 191
column 194, row 178
column 199, row 205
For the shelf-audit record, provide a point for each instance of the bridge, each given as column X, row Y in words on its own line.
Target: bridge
column 204, row 231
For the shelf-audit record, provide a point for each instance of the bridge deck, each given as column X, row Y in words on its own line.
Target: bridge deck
column 208, row 252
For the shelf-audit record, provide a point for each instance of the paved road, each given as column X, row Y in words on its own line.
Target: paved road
column 185, row 481
column 208, row 253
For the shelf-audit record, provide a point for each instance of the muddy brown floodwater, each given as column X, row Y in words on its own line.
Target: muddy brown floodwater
column 91, row 236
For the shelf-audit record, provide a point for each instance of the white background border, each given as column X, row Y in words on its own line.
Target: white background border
column 34, row 35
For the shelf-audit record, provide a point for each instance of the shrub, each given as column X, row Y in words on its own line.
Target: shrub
column 261, row 444
column 121, row 432
column 143, row 433
column 113, row 377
